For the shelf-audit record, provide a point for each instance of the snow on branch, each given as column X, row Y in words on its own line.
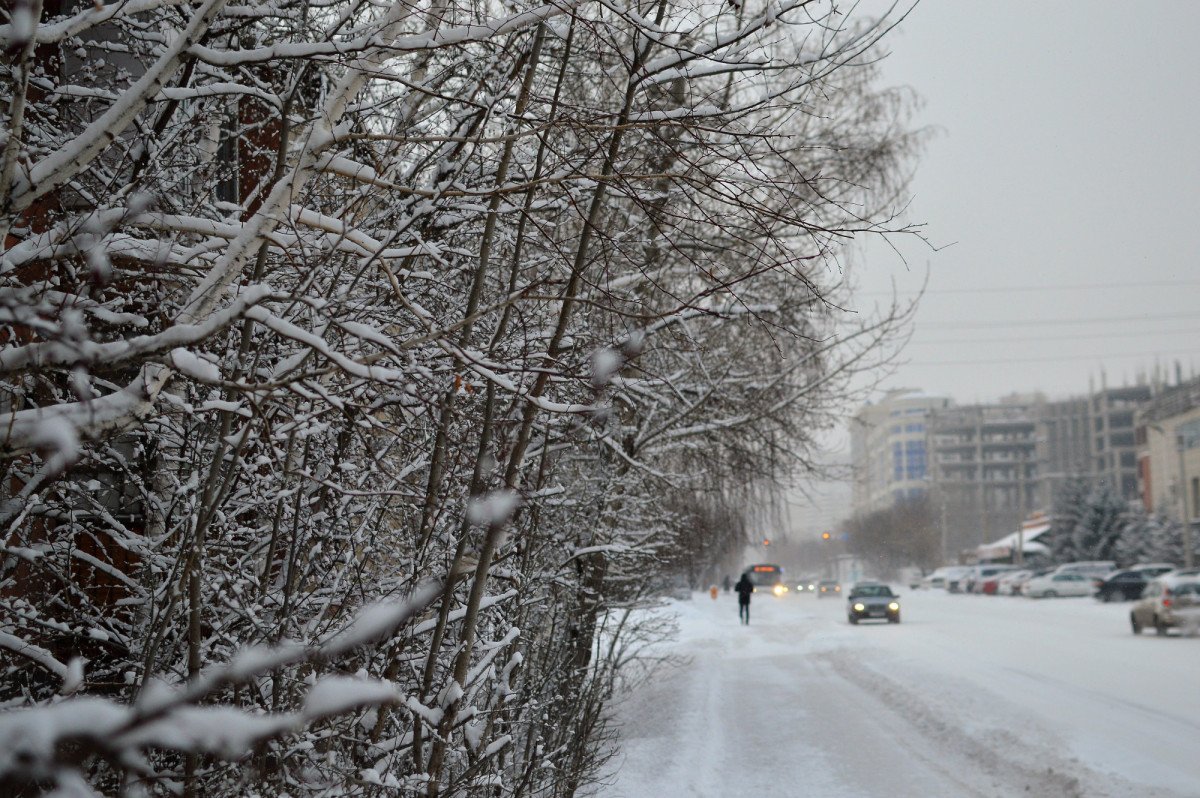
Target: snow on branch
column 48, row 743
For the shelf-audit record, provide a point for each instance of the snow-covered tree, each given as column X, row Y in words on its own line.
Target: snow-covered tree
column 1150, row 538
column 1088, row 522
column 308, row 307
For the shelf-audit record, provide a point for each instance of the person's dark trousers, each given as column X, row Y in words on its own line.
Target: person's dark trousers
column 744, row 611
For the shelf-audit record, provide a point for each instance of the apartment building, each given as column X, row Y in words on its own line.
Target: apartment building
column 888, row 449
column 1092, row 437
column 983, row 469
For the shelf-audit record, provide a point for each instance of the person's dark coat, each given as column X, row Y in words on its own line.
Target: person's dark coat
column 744, row 588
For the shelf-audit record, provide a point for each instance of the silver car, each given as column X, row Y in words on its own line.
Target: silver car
column 1167, row 603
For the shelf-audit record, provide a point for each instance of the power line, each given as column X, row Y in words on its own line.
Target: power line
column 973, row 325
column 1020, row 289
column 1073, row 358
column 1051, row 337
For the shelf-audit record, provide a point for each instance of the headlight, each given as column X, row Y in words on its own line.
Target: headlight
column 860, row 607
column 780, row 590
column 812, row 587
column 894, row 606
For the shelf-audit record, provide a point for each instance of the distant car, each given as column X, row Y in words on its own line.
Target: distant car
column 973, row 581
column 1167, row 603
column 1053, row 585
column 1153, row 569
column 990, row 585
column 1096, row 568
column 806, row 585
column 828, row 587
column 1010, row 583
column 941, row 576
column 872, row 600
column 1123, row 586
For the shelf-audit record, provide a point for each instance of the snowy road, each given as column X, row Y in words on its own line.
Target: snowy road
column 969, row 696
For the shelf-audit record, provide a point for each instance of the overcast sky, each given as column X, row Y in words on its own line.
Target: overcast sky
column 1062, row 187
column 1062, row 184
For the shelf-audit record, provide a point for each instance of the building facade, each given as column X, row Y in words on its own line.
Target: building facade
column 983, row 470
column 888, row 450
column 1092, row 437
column 1064, row 446
column 1168, row 452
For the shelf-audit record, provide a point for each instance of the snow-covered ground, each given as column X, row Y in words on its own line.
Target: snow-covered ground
column 969, row 696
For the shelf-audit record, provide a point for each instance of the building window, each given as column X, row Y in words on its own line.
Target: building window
column 1189, row 433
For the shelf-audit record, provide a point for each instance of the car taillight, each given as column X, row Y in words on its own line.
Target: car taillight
column 1166, row 599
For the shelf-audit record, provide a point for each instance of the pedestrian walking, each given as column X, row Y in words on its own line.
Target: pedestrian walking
column 744, row 589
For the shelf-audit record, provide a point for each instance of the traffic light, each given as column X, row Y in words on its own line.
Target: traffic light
column 825, row 536
column 766, row 541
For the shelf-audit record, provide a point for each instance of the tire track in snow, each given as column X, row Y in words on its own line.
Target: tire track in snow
column 1016, row 766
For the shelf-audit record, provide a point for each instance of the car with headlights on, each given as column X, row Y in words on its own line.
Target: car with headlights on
column 872, row 601
column 807, row 585
column 828, row 588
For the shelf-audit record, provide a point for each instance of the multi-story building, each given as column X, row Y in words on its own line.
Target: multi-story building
column 983, row 470
column 987, row 467
column 1064, row 446
column 888, row 449
column 1090, row 437
column 1168, row 436
column 1114, row 436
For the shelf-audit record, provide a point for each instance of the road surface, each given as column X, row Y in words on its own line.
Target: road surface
column 968, row 696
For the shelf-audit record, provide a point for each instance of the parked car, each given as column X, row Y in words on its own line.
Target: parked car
column 989, row 585
column 1153, row 569
column 1008, row 584
column 962, row 582
column 1096, row 568
column 1056, row 584
column 828, row 587
column 940, row 577
column 1123, row 586
column 1167, row 603
column 1017, row 585
column 973, row 583
column 872, row 600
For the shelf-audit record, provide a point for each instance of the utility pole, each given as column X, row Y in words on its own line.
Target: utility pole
column 1019, row 557
column 1183, row 504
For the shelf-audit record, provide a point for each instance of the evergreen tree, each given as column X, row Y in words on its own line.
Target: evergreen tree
column 1150, row 538
column 1089, row 522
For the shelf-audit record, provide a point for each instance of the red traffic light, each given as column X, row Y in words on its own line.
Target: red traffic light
column 766, row 541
